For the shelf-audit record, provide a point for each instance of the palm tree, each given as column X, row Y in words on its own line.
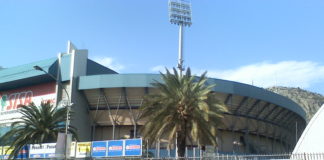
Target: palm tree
column 185, row 109
column 37, row 125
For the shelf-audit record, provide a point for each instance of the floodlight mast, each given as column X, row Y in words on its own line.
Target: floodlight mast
column 180, row 14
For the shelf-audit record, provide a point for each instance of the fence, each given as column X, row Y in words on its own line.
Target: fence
column 202, row 155
column 286, row 156
column 301, row 156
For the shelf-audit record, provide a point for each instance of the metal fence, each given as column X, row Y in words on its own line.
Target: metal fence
column 301, row 156
column 217, row 156
column 198, row 154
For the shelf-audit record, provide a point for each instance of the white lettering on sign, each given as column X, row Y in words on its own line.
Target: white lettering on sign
column 16, row 100
column 133, row 147
column 12, row 100
column 42, row 150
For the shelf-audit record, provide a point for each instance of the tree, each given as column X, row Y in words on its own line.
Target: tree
column 185, row 109
column 37, row 125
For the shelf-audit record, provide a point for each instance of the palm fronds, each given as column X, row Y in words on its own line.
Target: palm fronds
column 37, row 125
column 184, row 108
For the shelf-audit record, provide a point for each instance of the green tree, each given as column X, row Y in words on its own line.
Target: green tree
column 37, row 125
column 185, row 108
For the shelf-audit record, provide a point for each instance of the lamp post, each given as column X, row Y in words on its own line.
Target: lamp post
column 67, row 123
column 236, row 145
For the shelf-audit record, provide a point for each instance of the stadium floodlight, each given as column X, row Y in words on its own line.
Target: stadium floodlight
column 180, row 14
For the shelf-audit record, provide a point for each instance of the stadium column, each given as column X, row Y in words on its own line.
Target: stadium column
column 258, row 136
column 247, row 141
column 281, row 144
column 274, row 139
column 111, row 118
column 78, row 67
column 248, row 124
column 93, row 131
column 58, row 87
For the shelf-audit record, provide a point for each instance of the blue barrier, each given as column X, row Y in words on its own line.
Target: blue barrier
column 111, row 148
column 99, row 149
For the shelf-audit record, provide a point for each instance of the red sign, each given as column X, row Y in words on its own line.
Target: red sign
column 13, row 99
column 133, row 147
column 115, row 147
column 99, row 148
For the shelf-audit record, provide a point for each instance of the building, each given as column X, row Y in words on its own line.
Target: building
column 311, row 141
column 105, row 103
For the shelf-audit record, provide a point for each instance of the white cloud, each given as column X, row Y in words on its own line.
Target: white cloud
column 110, row 63
column 158, row 68
column 161, row 68
column 286, row 73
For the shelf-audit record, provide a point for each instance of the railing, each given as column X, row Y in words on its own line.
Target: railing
column 300, row 156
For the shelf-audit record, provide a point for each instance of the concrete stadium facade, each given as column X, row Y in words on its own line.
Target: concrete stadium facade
column 105, row 104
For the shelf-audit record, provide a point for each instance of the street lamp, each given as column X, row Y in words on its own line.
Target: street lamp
column 180, row 14
column 236, row 144
column 69, row 104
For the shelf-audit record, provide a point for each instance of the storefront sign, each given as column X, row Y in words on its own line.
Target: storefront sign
column 23, row 153
column 45, row 150
column 72, row 151
column 12, row 100
column 115, row 148
column 6, row 151
column 83, row 149
column 99, row 149
column 133, row 147
column 1, row 152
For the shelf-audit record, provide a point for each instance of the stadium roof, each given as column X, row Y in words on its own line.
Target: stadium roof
column 223, row 86
column 24, row 75
column 99, row 76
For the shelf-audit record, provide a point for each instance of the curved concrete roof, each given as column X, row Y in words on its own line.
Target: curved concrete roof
column 311, row 141
column 223, row 86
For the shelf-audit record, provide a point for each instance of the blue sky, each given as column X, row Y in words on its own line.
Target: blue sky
column 267, row 42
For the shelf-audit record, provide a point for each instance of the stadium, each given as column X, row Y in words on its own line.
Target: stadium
column 105, row 104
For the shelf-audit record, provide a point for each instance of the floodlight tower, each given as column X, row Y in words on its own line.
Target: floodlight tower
column 180, row 14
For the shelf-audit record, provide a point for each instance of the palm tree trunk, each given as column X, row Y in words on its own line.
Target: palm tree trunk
column 181, row 143
column 181, row 139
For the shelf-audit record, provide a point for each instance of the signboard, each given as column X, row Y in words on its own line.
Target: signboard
column 73, row 147
column 83, row 149
column 6, row 150
column 23, row 153
column 133, row 147
column 12, row 100
column 1, row 157
column 45, row 150
column 99, row 148
column 115, row 148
